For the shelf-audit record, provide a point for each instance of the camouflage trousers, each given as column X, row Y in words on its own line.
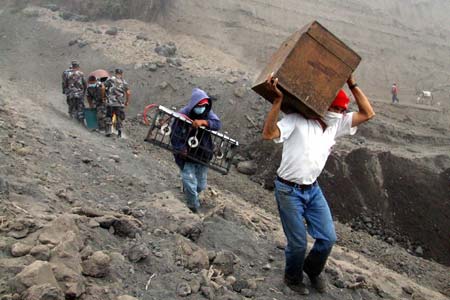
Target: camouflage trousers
column 76, row 107
column 101, row 115
column 69, row 105
column 120, row 117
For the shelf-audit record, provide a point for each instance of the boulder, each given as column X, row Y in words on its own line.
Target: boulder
column 20, row 249
column 198, row 260
column 126, row 227
column 152, row 67
column 57, row 231
column 14, row 265
column 97, row 265
column 112, row 31
column 247, row 167
column 39, row 272
column 138, row 252
column 190, row 228
column 67, row 252
column 43, row 292
column 224, row 262
column 174, row 61
column 21, row 227
column 71, row 282
column 183, row 289
column 208, row 292
column 240, row 285
column 166, row 50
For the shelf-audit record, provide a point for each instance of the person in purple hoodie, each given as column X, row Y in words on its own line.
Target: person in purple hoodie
column 192, row 159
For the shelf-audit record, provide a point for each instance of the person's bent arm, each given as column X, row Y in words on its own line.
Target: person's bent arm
column 198, row 123
column 271, row 130
column 128, row 97
column 365, row 111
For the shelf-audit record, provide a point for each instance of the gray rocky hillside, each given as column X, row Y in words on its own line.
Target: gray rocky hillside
column 86, row 217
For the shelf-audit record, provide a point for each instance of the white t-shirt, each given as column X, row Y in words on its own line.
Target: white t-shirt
column 306, row 146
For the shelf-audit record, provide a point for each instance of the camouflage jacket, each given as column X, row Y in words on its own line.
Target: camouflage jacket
column 116, row 90
column 76, row 84
column 94, row 93
column 65, row 77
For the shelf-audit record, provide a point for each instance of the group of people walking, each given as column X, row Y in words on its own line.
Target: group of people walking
column 307, row 143
column 108, row 95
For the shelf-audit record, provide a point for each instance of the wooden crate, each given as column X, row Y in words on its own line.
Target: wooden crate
column 311, row 65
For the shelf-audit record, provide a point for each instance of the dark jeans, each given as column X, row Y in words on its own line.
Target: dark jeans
column 294, row 205
column 394, row 98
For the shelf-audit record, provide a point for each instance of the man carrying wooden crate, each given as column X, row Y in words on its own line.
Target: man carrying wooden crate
column 306, row 146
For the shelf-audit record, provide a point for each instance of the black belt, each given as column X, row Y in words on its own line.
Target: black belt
column 296, row 185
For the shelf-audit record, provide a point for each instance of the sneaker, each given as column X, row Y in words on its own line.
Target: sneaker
column 297, row 286
column 194, row 210
column 319, row 283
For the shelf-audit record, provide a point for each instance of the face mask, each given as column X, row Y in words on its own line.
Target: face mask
column 199, row 110
column 92, row 85
column 331, row 118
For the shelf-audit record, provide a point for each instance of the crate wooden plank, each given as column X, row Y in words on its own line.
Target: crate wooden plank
column 311, row 65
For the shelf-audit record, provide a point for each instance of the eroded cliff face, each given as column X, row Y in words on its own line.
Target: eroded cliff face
column 389, row 195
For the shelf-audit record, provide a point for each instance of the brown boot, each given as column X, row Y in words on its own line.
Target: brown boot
column 319, row 283
column 297, row 286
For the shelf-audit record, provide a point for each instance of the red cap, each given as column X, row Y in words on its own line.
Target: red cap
column 341, row 100
column 203, row 102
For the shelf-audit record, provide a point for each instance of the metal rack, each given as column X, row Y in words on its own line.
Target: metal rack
column 173, row 131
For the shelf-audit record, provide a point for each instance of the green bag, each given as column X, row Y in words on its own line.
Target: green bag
column 90, row 115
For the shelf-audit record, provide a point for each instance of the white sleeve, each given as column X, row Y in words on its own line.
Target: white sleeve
column 286, row 126
column 345, row 126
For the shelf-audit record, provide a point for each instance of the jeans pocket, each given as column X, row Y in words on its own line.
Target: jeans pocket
column 283, row 188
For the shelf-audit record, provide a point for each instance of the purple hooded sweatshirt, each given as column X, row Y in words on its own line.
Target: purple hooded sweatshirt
column 181, row 132
column 209, row 115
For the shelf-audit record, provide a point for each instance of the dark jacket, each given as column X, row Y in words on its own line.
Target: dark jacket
column 181, row 131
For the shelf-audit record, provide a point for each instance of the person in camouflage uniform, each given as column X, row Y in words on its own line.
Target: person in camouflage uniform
column 118, row 96
column 75, row 91
column 64, row 77
column 96, row 96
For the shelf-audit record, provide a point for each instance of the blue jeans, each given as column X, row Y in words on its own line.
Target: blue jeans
column 294, row 205
column 194, row 176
